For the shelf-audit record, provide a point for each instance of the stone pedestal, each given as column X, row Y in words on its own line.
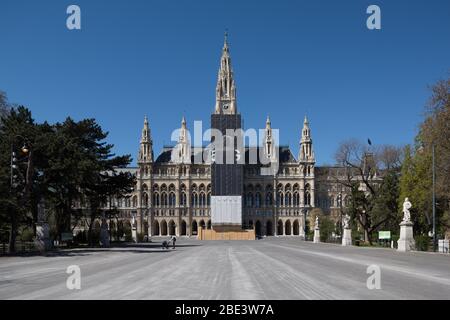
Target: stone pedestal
column 134, row 234
column 42, row 240
column 347, row 237
column 406, row 241
column 316, row 235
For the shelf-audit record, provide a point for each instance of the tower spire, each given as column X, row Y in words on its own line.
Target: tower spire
column 225, row 42
column 182, row 151
column 225, row 88
column 306, row 150
column 269, row 143
column 146, row 143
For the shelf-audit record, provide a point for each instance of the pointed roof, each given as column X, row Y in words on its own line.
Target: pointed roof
column 146, row 137
column 225, row 40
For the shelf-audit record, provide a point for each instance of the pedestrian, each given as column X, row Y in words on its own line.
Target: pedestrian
column 174, row 239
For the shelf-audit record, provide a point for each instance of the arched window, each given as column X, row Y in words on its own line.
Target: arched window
column 307, row 195
column 307, row 198
column 156, row 202
column 258, row 200
column 194, row 200
column 145, row 199
column 269, row 199
column 296, row 199
column 164, row 201
column 202, row 199
column 183, row 199
column 288, row 199
column 172, row 199
column 250, row 200
column 279, row 199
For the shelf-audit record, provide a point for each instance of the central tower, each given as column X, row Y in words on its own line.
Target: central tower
column 227, row 161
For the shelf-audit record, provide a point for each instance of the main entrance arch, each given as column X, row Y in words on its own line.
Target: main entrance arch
column 194, row 229
column 269, row 228
column 287, row 228
column 296, row 228
column 183, row 228
column 172, row 228
column 258, row 228
column 280, row 228
column 155, row 231
column 163, row 228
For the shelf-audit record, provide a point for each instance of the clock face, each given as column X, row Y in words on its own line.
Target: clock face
column 225, row 107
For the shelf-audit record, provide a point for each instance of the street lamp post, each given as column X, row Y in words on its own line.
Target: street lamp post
column 26, row 149
column 434, row 197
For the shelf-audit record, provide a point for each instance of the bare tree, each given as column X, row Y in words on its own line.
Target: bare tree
column 363, row 171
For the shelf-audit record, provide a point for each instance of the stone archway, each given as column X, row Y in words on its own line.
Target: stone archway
column 258, row 228
column 269, row 228
column 296, row 228
column 287, row 228
column 155, row 230
column 208, row 225
column 172, row 228
column 163, row 228
column 202, row 224
column 146, row 228
column 194, row 229
column 183, row 228
column 280, row 228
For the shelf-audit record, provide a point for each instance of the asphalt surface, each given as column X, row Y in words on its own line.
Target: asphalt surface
column 272, row 268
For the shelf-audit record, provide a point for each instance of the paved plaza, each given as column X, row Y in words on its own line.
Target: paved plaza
column 272, row 268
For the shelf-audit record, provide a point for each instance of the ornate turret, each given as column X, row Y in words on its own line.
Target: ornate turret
column 226, row 88
column 306, row 153
column 182, row 151
column 146, row 144
column 269, row 143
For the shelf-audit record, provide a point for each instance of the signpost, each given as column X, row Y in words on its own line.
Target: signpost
column 66, row 236
column 384, row 236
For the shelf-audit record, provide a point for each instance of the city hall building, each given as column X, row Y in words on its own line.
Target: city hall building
column 178, row 195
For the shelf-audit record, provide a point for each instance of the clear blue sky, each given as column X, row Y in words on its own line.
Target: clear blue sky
column 290, row 58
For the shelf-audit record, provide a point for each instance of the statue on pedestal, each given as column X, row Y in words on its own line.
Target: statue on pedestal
column 406, row 214
column 316, row 231
column 347, row 235
column 133, row 221
column 406, row 241
column 134, row 234
column 346, row 221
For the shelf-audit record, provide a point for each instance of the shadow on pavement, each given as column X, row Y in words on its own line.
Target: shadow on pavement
column 148, row 247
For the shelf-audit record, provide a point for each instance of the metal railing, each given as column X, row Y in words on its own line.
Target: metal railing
column 21, row 247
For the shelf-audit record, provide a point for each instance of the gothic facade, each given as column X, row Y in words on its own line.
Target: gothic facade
column 173, row 191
